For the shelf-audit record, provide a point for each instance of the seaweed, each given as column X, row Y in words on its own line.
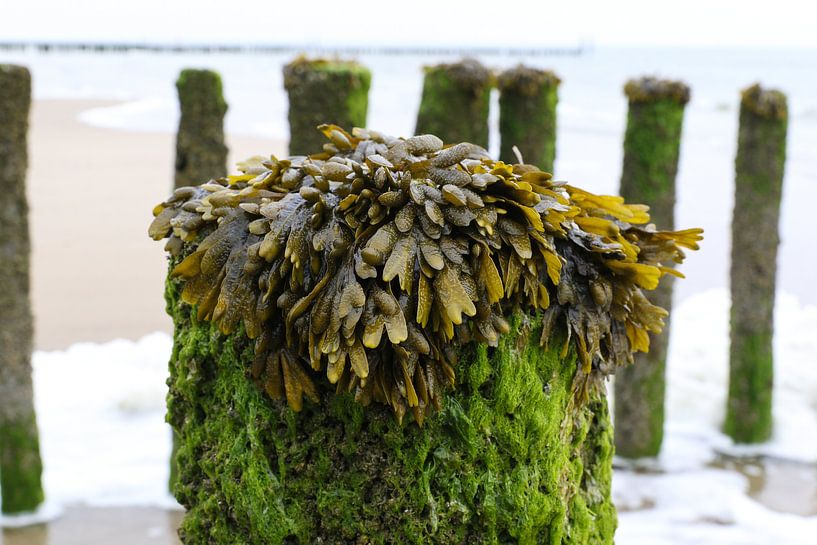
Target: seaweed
column 652, row 89
column 765, row 103
column 376, row 260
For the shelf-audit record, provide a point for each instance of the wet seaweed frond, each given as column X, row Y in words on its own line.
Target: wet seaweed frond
column 303, row 66
column 767, row 103
column 526, row 81
column 373, row 261
column 467, row 74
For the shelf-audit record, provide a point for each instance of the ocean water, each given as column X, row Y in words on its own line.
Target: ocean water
column 591, row 121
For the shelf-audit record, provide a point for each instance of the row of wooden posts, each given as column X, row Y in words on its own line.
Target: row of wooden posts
column 455, row 106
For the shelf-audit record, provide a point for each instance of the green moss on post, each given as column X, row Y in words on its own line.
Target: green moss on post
column 508, row 460
column 173, row 477
column 455, row 102
column 324, row 91
column 20, row 464
column 758, row 186
column 527, row 115
column 200, row 150
column 652, row 145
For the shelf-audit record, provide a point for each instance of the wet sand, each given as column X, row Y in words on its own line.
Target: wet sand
column 96, row 275
column 81, row 525
column 780, row 485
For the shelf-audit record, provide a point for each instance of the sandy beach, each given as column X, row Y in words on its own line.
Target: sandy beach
column 81, row 525
column 96, row 275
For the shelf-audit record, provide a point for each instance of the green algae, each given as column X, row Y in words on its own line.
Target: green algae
column 751, row 378
column 509, row 459
column 20, row 466
column 652, row 145
column 324, row 91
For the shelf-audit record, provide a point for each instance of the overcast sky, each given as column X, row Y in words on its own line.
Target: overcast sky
column 510, row 23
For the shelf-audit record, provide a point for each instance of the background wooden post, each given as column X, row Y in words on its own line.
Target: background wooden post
column 20, row 463
column 652, row 145
column 527, row 115
column 200, row 150
column 758, row 185
column 455, row 102
column 323, row 91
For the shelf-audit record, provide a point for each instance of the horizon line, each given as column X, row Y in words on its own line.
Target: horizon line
column 47, row 46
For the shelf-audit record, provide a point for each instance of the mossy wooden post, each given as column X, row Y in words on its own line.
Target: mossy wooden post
column 20, row 463
column 455, row 102
column 758, row 186
column 324, row 91
column 527, row 115
column 508, row 460
column 200, row 150
column 339, row 375
column 652, row 145
column 201, row 153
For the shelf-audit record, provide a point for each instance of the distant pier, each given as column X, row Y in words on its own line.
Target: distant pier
column 272, row 49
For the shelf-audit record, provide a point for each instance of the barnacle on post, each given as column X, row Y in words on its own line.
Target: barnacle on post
column 374, row 260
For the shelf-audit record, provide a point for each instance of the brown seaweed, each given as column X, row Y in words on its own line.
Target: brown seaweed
column 373, row 261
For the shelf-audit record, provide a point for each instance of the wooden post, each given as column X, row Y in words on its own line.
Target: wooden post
column 20, row 463
column 325, row 474
column 478, row 416
column 200, row 150
column 455, row 102
column 652, row 145
column 322, row 91
column 758, row 185
column 527, row 115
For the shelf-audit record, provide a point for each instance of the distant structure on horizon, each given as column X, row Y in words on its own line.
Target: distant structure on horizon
column 266, row 49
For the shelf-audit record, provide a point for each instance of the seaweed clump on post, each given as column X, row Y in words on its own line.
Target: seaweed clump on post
column 322, row 301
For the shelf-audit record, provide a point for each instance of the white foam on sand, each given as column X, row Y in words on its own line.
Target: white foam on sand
column 679, row 499
column 47, row 511
column 100, row 409
column 698, row 375
column 105, row 442
column 700, row 507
